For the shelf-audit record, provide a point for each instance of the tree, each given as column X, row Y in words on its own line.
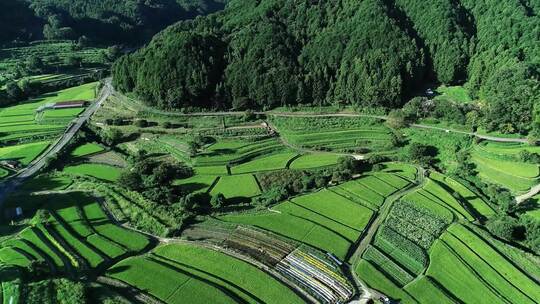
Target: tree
column 140, row 123
column 74, row 61
column 396, row 119
column 130, row 180
column 35, row 64
column 217, row 201
column 422, row 154
column 70, row 292
column 42, row 216
column 13, row 91
column 503, row 227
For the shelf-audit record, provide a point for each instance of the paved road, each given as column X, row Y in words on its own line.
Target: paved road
column 37, row 164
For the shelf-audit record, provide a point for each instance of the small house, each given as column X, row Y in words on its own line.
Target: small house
column 11, row 164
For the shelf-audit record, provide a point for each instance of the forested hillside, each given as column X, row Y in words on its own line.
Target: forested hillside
column 267, row 53
column 127, row 21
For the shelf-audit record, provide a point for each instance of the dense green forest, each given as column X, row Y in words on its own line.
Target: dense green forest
column 104, row 21
column 370, row 53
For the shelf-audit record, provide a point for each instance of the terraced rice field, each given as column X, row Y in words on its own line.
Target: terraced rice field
column 315, row 160
column 323, row 220
column 475, row 201
column 77, row 237
column 332, row 133
column 514, row 175
column 236, row 151
column 166, row 283
column 267, row 163
column 250, row 283
column 479, row 273
column 23, row 153
column 103, row 172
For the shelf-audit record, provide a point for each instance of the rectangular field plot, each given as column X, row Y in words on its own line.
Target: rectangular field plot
column 337, row 208
column 237, row 187
column 244, row 280
column 424, row 290
column 86, row 149
column 362, row 192
column 377, row 185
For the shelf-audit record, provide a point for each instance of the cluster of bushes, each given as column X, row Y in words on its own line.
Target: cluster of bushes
column 280, row 185
column 521, row 229
column 424, row 155
column 415, row 223
column 154, row 179
column 529, row 157
column 65, row 291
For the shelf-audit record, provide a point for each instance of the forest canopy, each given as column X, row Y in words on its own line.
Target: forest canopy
column 369, row 53
column 104, row 21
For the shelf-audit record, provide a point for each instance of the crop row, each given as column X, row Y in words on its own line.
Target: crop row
column 401, row 249
column 398, row 274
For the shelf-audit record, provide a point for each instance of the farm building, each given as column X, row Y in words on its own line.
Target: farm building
column 69, row 104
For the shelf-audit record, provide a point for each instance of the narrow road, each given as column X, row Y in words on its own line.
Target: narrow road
column 40, row 162
column 532, row 192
